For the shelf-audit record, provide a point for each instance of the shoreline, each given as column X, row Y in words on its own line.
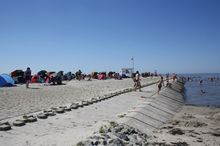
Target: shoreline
column 210, row 106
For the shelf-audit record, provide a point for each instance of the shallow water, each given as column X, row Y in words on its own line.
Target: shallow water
column 206, row 93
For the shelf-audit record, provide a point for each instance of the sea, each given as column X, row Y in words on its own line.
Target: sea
column 202, row 89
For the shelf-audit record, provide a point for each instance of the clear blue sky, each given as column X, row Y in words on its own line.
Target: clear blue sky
column 181, row 36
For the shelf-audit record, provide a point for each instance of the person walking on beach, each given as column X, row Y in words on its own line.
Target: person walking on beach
column 160, row 84
column 27, row 76
column 137, row 82
column 174, row 77
column 161, row 79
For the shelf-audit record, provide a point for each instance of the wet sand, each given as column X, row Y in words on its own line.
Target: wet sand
column 195, row 126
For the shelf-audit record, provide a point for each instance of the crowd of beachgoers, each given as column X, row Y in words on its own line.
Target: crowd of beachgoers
column 44, row 76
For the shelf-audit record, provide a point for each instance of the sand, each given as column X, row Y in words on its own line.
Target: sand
column 19, row 100
column 71, row 127
column 195, row 126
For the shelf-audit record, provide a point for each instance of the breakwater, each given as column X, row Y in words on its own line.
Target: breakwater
column 140, row 122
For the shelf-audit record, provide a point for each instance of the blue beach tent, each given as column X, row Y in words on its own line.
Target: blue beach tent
column 6, row 80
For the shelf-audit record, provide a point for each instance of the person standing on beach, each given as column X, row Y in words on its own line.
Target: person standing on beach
column 79, row 75
column 137, row 81
column 27, row 76
column 161, row 82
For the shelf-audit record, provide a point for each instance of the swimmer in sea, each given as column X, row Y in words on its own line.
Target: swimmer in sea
column 200, row 82
column 202, row 92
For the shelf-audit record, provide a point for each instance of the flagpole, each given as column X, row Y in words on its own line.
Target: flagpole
column 132, row 59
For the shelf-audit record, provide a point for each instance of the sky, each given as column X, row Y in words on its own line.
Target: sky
column 181, row 36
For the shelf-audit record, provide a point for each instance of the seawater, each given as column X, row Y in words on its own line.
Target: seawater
column 202, row 89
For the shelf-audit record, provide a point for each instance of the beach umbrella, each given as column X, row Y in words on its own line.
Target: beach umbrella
column 42, row 73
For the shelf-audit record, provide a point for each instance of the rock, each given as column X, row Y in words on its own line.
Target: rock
column 60, row 110
column 102, row 129
column 109, row 141
column 74, row 106
column 194, row 124
column 67, row 108
column 42, row 116
column 174, row 122
column 119, row 128
column 80, row 144
column 5, row 126
column 117, row 135
column 180, row 143
column 113, row 124
column 18, row 123
column 188, row 116
column 167, row 127
column 217, row 134
column 176, row 131
column 133, row 131
column 85, row 103
column 116, row 142
column 49, row 113
column 104, row 142
column 158, row 144
column 123, row 137
column 125, row 131
column 199, row 140
column 80, row 104
column 93, row 100
column 30, row 118
column 47, row 110
column 97, row 142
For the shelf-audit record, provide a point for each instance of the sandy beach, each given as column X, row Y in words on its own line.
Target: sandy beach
column 191, row 126
column 19, row 100
column 69, row 128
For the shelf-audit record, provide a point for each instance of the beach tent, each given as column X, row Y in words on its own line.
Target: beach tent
column 34, row 79
column 102, row 76
column 6, row 80
column 17, row 73
column 42, row 73
column 18, row 76
column 68, row 76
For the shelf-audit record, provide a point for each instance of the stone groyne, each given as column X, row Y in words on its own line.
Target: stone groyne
column 158, row 110
column 140, row 122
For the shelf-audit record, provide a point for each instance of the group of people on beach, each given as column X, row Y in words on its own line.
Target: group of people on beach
column 48, row 78
column 137, row 81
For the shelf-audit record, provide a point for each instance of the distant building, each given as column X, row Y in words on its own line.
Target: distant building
column 127, row 72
